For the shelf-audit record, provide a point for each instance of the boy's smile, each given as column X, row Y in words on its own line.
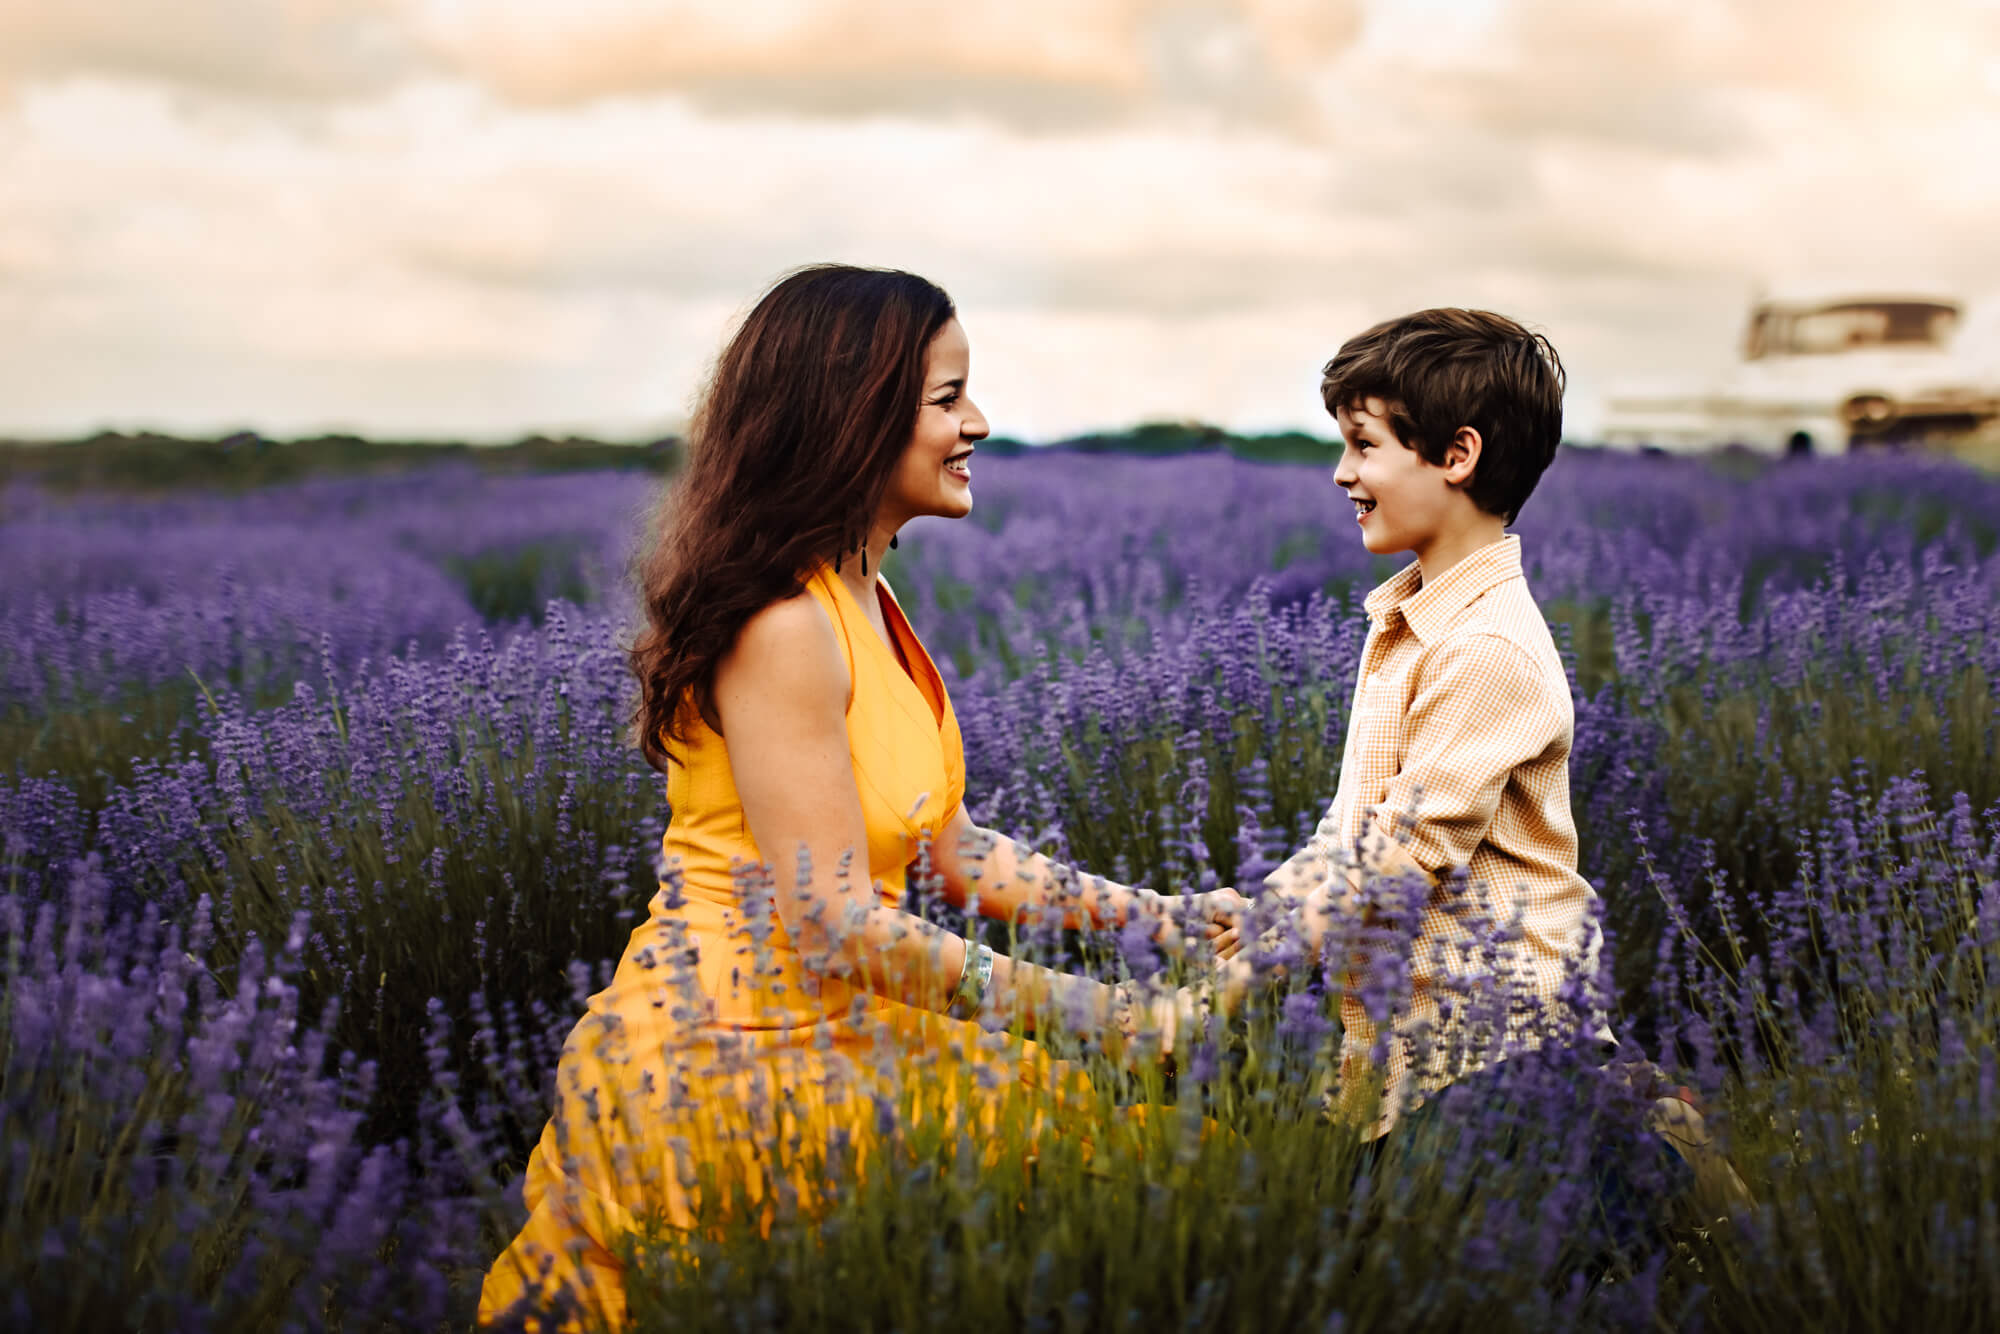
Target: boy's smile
column 1403, row 502
column 1398, row 498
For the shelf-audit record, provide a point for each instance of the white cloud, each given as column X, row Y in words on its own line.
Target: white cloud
column 286, row 49
column 1043, row 65
column 421, row 216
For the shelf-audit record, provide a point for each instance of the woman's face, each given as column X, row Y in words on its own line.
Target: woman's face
column 934, row 475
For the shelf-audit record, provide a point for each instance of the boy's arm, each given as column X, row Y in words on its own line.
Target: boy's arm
column 1301, row 874
column 1308, row 869
column 1324, row 897
column 1483, row 708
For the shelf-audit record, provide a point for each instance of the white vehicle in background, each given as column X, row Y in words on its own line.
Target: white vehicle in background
column 1825, row 372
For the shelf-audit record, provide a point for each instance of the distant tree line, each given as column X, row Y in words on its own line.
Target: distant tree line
column 149, row 461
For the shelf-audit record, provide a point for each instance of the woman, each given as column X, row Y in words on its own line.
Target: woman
column 799, row 721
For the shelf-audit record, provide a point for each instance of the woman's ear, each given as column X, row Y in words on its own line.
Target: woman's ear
column 1461, row 456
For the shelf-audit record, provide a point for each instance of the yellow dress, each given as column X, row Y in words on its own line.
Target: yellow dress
column 733, row 1063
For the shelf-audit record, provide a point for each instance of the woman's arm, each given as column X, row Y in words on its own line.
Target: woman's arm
column 781, row 696
column 1014, row 883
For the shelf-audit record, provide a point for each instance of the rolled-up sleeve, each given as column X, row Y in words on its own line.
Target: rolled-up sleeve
column 1482, row 709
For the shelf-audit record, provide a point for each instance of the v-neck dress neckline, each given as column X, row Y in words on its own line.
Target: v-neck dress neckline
column 907, row 655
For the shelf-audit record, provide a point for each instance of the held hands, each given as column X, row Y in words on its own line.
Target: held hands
column 1145, row 1022
column 1311, row 908
column 1305, row 917
column 1229, row 940
column 1223, row 910
column 1209, row 917
column 1308, row 908
column 1149, row 1022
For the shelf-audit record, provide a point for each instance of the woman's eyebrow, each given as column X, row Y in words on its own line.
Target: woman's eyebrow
column 949, row 384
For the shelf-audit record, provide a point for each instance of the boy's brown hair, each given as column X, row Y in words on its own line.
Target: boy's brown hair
column 1438, row 370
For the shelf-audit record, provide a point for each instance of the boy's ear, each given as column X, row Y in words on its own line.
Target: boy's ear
column 1461, row 456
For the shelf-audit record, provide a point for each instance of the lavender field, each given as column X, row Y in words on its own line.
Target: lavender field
column 318, row 823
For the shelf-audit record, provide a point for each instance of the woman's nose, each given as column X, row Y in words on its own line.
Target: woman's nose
column 973, row 426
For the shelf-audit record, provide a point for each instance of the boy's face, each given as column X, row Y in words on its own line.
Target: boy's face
column 1401, row 502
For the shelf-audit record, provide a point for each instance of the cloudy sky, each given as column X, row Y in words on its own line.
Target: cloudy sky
column 480, row 217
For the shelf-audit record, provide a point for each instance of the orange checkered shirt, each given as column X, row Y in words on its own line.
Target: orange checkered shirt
column 1459, row 740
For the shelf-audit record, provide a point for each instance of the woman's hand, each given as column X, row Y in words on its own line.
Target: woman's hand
column 1210, row 917
column 1304, row 920
column 1223, row 910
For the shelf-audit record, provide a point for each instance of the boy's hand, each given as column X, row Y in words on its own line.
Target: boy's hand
column 1223, row 910
column 1183, row 920
column 1309, row 917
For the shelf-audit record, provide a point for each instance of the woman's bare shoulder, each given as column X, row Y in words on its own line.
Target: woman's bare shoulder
column 788, row 648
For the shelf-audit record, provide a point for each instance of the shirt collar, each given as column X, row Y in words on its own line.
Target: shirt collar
column 1430, row 607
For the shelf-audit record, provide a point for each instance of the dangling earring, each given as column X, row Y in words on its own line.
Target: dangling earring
column 892, row 542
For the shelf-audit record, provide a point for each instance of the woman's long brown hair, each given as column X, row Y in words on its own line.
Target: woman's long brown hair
column 811, row 405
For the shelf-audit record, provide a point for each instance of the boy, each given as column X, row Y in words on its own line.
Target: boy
column 1457, row 755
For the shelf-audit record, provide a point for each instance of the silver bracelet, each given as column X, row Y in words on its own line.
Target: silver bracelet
column 972, row 980
column 964, row 971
